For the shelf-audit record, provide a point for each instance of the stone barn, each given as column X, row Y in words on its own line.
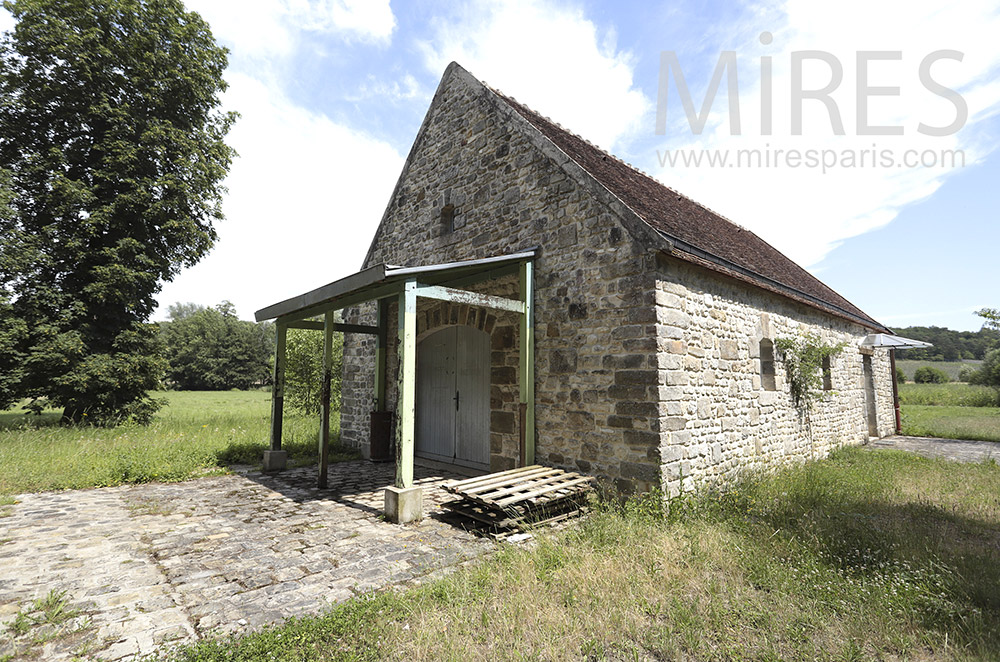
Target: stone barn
column 548, row 303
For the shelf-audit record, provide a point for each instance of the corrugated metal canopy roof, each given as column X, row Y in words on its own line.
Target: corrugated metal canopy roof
column 383, row 280
column 887, row 341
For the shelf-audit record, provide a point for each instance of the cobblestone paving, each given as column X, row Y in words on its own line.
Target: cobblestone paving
column 958, row 450
column 158, row 564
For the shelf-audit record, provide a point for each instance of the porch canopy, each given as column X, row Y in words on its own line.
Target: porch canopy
column 887, row 341
column 387, row 284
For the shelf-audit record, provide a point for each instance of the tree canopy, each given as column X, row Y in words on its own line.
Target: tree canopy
column 211, row 349
column 949, row 345
column 112, row 152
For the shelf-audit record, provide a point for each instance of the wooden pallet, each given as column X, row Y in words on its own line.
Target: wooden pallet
column 521, row 498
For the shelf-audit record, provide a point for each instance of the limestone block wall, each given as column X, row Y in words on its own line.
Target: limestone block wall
column 716, row 419
column 474, row 188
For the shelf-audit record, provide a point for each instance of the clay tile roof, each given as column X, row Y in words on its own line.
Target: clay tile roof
column 699, row 234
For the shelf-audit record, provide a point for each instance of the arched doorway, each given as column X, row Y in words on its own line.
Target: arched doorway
column 453, row 397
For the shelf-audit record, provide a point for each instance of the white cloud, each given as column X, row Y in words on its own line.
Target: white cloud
column 269, row 28
column 6, row 20
column 551, row 57
column 306, row 193
column 305, row 198
column 803, row 211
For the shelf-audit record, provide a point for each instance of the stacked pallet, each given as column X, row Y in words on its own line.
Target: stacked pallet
column 509, row 502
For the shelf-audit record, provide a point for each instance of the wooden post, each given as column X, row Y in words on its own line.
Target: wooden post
column 324, row 423
column 278, row 387
column 380, row 349
column 526, row 374
column 407, row 384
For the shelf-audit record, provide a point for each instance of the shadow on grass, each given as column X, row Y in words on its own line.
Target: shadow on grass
column 15, row 419
column 300, row 453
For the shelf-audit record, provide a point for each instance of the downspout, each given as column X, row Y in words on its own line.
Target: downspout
column 895, row 389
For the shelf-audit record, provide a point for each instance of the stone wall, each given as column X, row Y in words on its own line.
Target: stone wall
column 645, row 367
column 509, row 192
column 716, row 418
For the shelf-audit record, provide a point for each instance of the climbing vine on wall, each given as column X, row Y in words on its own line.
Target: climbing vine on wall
column 803, row 358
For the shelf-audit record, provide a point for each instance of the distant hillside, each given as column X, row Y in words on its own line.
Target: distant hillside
column 948, row 345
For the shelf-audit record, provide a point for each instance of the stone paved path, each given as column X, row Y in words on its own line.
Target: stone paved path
column 959, row 450
column 158, row 564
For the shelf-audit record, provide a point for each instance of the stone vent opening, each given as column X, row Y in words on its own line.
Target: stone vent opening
column 767, row 381
column 827, row 374
column 448, row 219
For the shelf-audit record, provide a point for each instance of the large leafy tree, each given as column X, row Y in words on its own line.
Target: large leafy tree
column 211, row 349
column 114, row 150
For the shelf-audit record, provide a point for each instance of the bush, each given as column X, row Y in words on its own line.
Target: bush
column 989, row 373
column 967, row 375
column 900, row 376
column 929, row 375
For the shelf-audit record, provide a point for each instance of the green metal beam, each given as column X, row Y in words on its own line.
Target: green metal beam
column 526, row 374
column 315, row 325
column 407, row 385
column 471, row 298
column 278, row 387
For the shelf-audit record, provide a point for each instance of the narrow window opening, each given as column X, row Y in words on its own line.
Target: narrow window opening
column 448, row 219
column 827, row 374
column 767, row 365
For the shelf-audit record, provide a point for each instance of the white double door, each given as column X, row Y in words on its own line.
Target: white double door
column 453, row 396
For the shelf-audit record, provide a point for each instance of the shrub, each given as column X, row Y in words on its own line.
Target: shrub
column 967, row 374
column 900, row 376
column 929, row 375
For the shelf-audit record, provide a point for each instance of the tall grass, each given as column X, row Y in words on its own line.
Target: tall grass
column 953, row 395
column 194, row 434
column 869, row 555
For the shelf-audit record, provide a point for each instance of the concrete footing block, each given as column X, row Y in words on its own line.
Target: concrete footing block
column 275, row 460
column 404, row 504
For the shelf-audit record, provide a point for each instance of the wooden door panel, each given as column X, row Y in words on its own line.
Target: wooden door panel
column 435, row 416
column 472, row 428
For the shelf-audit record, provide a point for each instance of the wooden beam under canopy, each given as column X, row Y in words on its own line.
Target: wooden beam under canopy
column 471, row 298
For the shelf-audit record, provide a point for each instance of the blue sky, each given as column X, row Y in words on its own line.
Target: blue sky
column 332, row 92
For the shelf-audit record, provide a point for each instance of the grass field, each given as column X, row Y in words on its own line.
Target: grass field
column 869, row 555
column 951, row 368
column 194, row 434
column 949, row 395
column 982, row 423
column 951, row 411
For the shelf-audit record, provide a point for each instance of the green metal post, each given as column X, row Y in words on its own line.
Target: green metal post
column 324, row 424
column 380, row 349
column 407, row 384
column 526, row 373
column 278, row 387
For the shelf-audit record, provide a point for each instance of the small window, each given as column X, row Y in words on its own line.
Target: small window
column 827, row 374
column 767, row 365
column 447, row 219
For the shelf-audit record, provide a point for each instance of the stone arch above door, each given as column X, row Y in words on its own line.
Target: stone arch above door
column 445, row 313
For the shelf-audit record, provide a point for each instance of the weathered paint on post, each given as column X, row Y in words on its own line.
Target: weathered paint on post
column 380, row 353
column 324, row 425
column 527, row 368
column 278, row 386
column 407, row 385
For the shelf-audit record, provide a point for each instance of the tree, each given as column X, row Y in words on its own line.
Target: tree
column 304, row 370
column 211, row 349
column 928, row 375
column 991, row 318
column 115, row 149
